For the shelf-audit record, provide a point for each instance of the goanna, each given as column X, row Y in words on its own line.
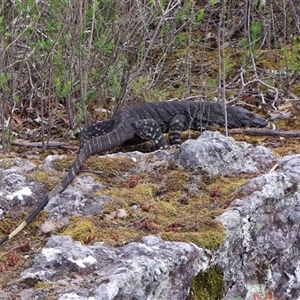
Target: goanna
column 139, row 123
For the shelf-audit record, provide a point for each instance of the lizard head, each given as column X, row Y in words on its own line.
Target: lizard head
column 240, row 117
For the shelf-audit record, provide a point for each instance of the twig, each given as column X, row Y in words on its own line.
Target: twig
column 40, row 144
column 256, row 80
column 267, row 132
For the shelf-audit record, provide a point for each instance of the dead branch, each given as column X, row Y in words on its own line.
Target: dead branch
column 267, row 132
column 40, row 144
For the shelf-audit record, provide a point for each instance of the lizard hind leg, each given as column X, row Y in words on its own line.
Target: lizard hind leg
column 148, row 129
column 95, row 130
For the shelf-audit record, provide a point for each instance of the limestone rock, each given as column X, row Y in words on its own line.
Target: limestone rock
column 151, row 269
column 217, row 154
column 261, row 250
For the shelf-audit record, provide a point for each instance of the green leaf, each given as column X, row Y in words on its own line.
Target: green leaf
column 200, row 15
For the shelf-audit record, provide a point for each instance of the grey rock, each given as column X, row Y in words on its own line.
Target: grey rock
column 16, row 190
column 74, row 296
column 217, row 154
column 48, row 163
column 16, row 164
column 77, row 199
column 261, row 250
column 151, row 269
column 5, row 296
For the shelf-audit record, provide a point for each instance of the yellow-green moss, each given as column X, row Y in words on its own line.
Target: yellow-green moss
column 158, row 206
column 115, row 232
column 166, row 212
column 177, row 180
column 7, row 162
column 108, row 165
column 224, row 186
column 121, row 236
column 207, row 236
column 80, row 228
column 208, row 285
column 111, row 165
column 251, row 139
column 190, row 134
column 130, row 196
column 168, row 196
column 114, row 204
column 195, row 218
column 63, row 163
column 49, row 179
column 42, row 285
column 11, row 222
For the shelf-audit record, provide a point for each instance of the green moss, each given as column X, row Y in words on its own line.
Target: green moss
column 130, row 196
column 221, row 186
column 155, row 206
column 48, row 179
column 7, row 163
column 208, row 285
column 80, row 228
column 42, row 285
column 177, row 180
column 165, row 212
column 63, row 163
column 209, row 236
column 11, row 221
column 114, row 204
column 192, row 221
column 167, row 196
column 109, row 165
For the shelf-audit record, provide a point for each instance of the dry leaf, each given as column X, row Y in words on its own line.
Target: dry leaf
column 118, row 214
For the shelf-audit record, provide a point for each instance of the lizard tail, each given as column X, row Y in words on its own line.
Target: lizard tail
column 57, row 190
column 95, row 145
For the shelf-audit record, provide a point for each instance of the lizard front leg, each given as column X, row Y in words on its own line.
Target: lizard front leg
column 177, row 125
column 149, row 129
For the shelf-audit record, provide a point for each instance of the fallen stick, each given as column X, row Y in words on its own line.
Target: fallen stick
column 268, row 132
column 50, row 144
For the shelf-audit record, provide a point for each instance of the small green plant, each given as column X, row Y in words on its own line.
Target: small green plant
column 245, row 52
column 141, row 88
column 213, row 2
column 210, row 86
column 254, row 33
column 228, row 65
column 291, row 56
column 181, row 39
column 4, row 79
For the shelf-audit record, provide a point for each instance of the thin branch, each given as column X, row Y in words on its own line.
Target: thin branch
column 266, row 132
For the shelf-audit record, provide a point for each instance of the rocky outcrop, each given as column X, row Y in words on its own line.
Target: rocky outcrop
column 217, row 154
column 260, row 251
